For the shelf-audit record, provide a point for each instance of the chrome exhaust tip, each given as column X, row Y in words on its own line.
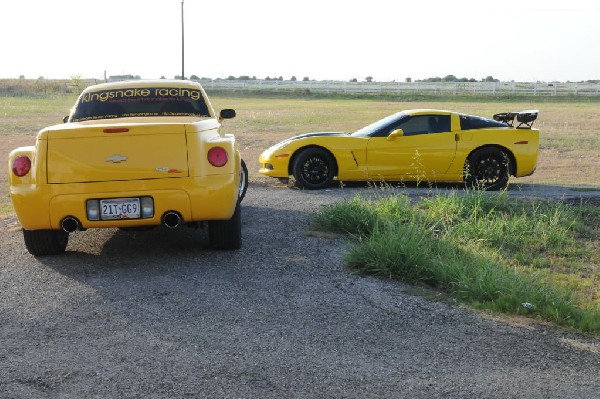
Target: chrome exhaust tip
column 70, row 224
column 172, row 219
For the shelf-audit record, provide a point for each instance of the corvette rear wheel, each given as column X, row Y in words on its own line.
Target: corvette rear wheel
column 313, row 168
column 487, row 169
column 45, row 242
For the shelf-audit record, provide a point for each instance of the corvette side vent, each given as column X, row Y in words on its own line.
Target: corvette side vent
column 524, row 119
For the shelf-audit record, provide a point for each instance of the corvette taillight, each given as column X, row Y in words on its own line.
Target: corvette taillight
column 217, row 156
column 21, row 166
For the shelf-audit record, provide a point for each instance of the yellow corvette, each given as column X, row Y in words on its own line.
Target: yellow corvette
column 130, row 155
column 415, row 145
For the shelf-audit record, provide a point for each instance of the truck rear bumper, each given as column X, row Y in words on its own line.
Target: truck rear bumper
column 195, row 199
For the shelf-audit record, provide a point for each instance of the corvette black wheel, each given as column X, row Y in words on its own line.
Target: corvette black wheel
column 313, row 168
column 488, row 169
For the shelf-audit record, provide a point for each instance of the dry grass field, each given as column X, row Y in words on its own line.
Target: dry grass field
column 570, row 131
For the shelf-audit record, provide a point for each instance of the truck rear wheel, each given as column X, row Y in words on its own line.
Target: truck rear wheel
column 226, row 234
column 45, row 242
column 243, row 181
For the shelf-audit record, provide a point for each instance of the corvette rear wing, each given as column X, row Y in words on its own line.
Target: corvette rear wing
column 525, row 118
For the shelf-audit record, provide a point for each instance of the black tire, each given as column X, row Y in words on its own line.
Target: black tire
column 243, row 182
column 226, row 234
column 313, row 168
column 487, row 168
column 45, row 242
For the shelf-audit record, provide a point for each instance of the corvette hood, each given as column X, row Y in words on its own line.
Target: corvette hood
column 317, row 134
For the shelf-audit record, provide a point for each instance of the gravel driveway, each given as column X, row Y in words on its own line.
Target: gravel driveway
column 159, row 315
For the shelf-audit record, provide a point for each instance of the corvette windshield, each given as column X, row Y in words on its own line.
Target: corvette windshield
column 377, row 126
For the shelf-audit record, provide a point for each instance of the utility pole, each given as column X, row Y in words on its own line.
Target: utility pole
column 182, row 45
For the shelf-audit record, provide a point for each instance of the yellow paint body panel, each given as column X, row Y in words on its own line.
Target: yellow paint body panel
column 160, row 157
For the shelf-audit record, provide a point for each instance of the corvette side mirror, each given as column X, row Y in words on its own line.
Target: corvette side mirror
column 395, row 134
column 66, row 119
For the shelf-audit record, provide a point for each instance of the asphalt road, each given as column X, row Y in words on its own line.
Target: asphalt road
column 159, row 315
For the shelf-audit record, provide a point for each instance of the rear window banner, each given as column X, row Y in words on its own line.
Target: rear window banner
column 153, row 94
column 140, row 102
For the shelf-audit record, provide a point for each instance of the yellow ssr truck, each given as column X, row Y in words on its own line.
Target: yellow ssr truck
column 130, row 155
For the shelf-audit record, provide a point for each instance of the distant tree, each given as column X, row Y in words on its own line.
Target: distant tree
column 267, row 78
column 253, row 77
column 244, row 77
column 178, row 77
column 490, row 79
column 305, row 79
column 353, row 80
column 21, row 76
column 280, row 78
column 194, row 77
column 293, row 79
column 408, row 80
column 369, row 79
column 163, row 77
column 449, row 78
column 231, row 77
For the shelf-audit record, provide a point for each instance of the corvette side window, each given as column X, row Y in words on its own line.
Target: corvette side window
column 439, row 123
column 425, row 124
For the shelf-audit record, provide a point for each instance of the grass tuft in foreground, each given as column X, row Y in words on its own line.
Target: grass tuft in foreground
column 491, row 251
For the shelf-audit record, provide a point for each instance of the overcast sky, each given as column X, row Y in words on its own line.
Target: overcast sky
column 522, row 40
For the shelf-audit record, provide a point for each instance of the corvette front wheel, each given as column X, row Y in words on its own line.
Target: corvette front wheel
column 313, row 168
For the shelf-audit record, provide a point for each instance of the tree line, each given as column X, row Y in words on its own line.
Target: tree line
column 368, row 79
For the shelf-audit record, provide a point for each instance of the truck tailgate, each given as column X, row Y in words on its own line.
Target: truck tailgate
column 117, row 152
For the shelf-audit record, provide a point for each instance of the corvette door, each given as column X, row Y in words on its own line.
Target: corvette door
column 425, row 150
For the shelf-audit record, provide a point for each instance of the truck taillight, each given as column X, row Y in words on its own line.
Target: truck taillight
column 217, row 156
column 21, row 166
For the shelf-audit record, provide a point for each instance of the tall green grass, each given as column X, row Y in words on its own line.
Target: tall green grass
column 489, row 250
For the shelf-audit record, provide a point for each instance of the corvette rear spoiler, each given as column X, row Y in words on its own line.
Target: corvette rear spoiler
column 525, row 118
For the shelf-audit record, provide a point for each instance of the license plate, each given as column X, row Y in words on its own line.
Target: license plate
column 120, row 208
